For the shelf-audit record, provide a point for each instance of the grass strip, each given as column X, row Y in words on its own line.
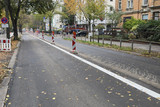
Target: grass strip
column 126, row 49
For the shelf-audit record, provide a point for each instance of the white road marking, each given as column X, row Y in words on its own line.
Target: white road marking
column 129, row 82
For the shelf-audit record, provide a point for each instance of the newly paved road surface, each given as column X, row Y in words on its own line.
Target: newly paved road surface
column 47, row 77
column 143, row 68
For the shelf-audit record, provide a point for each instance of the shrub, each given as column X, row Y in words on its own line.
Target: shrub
column 130, row 23
column 125, row 36
column 149, row 30
column 131, row 36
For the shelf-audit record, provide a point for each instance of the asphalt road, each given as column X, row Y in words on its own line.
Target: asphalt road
column 47, row 77
column 142, row 68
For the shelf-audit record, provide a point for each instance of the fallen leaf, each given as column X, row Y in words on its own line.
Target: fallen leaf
column 118, row 93
column 130, row 99
column 37, row 97
column 7, row 96
column 113, row 104
column 109, row 92
column 9, row 103
column 54, row 98
column 122, row 95
column 54, row 93
column 43, row 70
column 86, row 78
column 98, row 78
column 42, row 92
column 128, row 92
column 19, row 77
column 77, row 98
column 101, row 81
column 149, row 98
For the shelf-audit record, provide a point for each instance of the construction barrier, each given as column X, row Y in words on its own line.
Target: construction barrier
column 53, row 36
column 5, row 44
column 74, row 43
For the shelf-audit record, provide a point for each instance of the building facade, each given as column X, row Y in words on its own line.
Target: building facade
column 81, row 20
column 139, row 9
column 56, row 20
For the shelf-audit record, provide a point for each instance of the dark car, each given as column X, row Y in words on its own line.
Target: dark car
column 82, row 33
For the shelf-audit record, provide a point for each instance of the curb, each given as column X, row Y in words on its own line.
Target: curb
column 6, row 80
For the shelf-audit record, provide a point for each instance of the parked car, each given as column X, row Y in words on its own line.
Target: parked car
column 82, row 33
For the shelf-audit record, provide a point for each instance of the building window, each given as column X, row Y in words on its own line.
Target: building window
column 120, row 4
column 126, row 18
column 145, row 2
column 129, row 3
column 145, row 17
column 156, row 15
column 111, row 8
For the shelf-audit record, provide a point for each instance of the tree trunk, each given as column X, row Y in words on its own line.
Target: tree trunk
column 50, row 28
column 14, row 17
column 89, row 25
column 20, row 28
column 7, row 15
column 14, row 22
column 93, row 30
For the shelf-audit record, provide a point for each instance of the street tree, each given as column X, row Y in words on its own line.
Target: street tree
column 1, row 7
column 49, row 14
column 70, row 9
column 14, row 7
column 23, row 19
column 115, row 17
column 92, row 10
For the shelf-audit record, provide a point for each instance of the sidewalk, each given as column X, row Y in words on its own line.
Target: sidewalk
column 143, row 46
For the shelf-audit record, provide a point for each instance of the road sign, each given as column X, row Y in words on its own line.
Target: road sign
column 4, row 25
column 4, row 20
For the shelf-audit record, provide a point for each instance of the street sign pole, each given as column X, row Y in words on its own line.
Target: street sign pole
column 4, row 21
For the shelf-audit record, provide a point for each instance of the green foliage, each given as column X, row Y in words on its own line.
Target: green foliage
column 67, row 18
column 131, row 36
column 115, row 17
column 94, row 9
column 149, row 30
column 99, row 27
column 125, row 36
column 130, row 23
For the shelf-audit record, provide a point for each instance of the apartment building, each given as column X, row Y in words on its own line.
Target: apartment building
column 139, row 9
column 81, row 20
column 56, row 22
